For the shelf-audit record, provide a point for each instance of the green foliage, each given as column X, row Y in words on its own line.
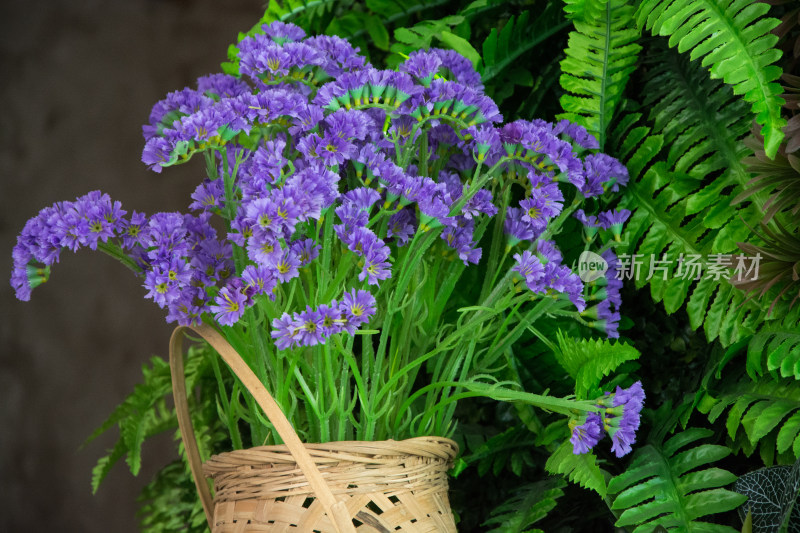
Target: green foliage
column 680, row 207
column 441, row 32
column 589, row 361
column 772, row 498
column 733, row 38
column 664, row 485
column 777, row 344
column 144, row 413
column 509, row 449
column 169, row 503
column 581, row 469
column 529, row 504
column 503, row 47
column 764, row 408
column 141, row 415
column 601, row 55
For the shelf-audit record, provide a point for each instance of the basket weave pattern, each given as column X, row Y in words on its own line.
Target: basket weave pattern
column 387, row 486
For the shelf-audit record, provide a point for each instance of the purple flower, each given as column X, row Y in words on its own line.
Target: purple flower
column 562, row 280
column 614, row 220
column 222, row 85
column 310, row 330
column 605, row 319
column 362, row 197
column 281, row 32
column 285, row 331
column 516, row 229
column 338, row 55
column 578, row 133
column 603, row 172
column 549, row 251
column 533, row 213
column 530, row 268
column 486, row 140
column 229, row 305
column 264, row 249
column 460, row 67
column 622, row 426
column 305, row 119
column 259, row 280
column 157, row 153
column 357, row 307
column 590, row 224
column 306, row 249
column 286, row 266
column 422, row 65
column 376, row 267
column 330, row 318
column 401, row 226
column 585, row 436
column 208, row 195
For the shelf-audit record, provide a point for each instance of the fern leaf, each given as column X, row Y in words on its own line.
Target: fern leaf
column 519, row 35
column 679, row 210
column 510, row 448
column 779, row 344
column 601, row 55
column 735, row 42
column 529, row 504
column 158, row 381
column 170, row 503
column 581, row 469
column 104, row 464
column 761, row 408
column 589, row 361
column 664, row 485
column 144, row 412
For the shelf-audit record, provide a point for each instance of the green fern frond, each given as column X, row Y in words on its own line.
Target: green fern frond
column 104, row 464
column 601, row 55
column 519, row 35
column 733, row 38
column 144, row 412
column 145, row 421
column 589, row 361
column 680, row 209
column 777, row 344
column 529, row 504
column 761, row 408
column 511, row 448
column 581, row 469
column 169, row 503
column 665, row 487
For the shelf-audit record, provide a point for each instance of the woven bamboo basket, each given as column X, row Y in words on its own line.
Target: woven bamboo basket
column 337, row 487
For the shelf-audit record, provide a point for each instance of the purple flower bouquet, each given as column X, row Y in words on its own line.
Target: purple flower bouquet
column 338, row 241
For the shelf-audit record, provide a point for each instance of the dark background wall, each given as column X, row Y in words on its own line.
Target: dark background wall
column 77, row 80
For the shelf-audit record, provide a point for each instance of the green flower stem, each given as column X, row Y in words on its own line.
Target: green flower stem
column 492, row 267
column 116, row 252
column 310, row 399
column 259, row 364
column 233, row 427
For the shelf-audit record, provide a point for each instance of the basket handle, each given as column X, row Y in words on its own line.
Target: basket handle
column 336, row 510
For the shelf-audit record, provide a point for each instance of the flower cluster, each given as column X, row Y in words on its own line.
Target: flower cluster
column 605, row 315
column 312, row 326
column 312, row 137
column 619, row 418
